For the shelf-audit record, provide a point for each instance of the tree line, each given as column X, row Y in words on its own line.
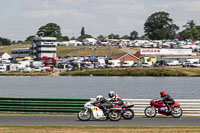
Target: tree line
column 158, row 26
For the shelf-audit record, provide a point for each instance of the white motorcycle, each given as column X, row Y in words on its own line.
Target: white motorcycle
column 94, row 112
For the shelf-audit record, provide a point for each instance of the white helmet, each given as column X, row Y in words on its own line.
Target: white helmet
column 111, row 94
column 99, row 97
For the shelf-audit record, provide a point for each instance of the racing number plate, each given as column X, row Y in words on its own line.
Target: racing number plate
column 95, row 109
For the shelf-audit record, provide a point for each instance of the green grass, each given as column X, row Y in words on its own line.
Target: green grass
column 96, row 129
column 106, row 127
column 24, row 74
column 9, row 48
column 88, row 51
column 136, row 72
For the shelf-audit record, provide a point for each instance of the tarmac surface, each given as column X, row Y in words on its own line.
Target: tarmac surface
column 73, row 121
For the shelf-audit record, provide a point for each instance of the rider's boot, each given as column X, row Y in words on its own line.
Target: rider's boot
column 105, row 111
column 168, row 108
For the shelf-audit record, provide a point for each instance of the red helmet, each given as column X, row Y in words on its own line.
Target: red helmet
column 162, row 93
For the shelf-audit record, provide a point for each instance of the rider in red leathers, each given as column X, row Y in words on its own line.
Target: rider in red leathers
column 167, row 99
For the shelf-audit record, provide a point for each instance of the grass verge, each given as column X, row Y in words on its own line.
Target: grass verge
column 24, row 74
column 136, row 72
column 95, row 129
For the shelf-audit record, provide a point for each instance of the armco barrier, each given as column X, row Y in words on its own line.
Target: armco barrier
column 73, row 105
column 190, row 107
column 42, row 105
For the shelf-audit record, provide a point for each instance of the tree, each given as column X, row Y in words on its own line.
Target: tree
column 113, row 36
column 29, row 40
column 50, row 30
column 80, row 38
column 20, row 42
column 101, row 36
column 4, row 41
column 159, row 26
column 13, row 42
column 133, row 35
column 125, row 37
column 73, row 38
column 190, row 24
column 144, row 37
column 83, row 35
column 65, row 38
column 82, row 31
column 191, row 31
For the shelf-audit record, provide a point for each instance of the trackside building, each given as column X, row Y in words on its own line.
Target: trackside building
column 21, row 52
column 44, row 46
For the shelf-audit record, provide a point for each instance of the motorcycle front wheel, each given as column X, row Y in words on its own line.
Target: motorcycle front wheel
column 84, row 115
column 150, row 112
column 114, row 115
column 177, row 112
column 128, row 114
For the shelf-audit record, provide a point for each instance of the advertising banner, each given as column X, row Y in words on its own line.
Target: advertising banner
column 166, row 51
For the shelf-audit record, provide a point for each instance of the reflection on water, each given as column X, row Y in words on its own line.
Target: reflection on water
column 87, row 87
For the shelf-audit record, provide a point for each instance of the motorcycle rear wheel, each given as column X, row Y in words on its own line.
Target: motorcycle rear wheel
column 114, row 115
column 128, row 114
column 84, row 116
column 150, row 112
column 177, row 112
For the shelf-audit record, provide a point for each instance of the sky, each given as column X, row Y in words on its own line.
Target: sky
column 22, row 18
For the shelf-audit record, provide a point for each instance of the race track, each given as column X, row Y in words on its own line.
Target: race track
column 73, row 121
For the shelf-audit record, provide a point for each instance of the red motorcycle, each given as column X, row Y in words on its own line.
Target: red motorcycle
column 127, row 113
column 157, row 105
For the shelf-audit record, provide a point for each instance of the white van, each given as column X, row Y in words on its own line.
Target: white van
column 27, row 70
column 2, row 68
column 138, row 43
column 174, row 63
column 147, row 64
column 37, row 64
column 25, row 63
column 14, row 68
column 127, row 63
column 188, row 62
column 101, row 63
column 113, row 63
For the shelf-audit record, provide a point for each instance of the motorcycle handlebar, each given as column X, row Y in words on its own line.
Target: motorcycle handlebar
column 158, row 101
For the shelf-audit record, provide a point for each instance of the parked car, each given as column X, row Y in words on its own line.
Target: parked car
column 88, row 65
column 137, row 64
column 37, row 64
column 160, row 63
column 195, row 64
column 46, row 69
column 27, row 70
column 127, row 63
column 147, row 64
column 173, row 63
column 113, row 63
column 2, row 68
column 188, row 62
column 37, row 69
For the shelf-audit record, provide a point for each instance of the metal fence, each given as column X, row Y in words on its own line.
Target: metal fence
column 190, row 107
